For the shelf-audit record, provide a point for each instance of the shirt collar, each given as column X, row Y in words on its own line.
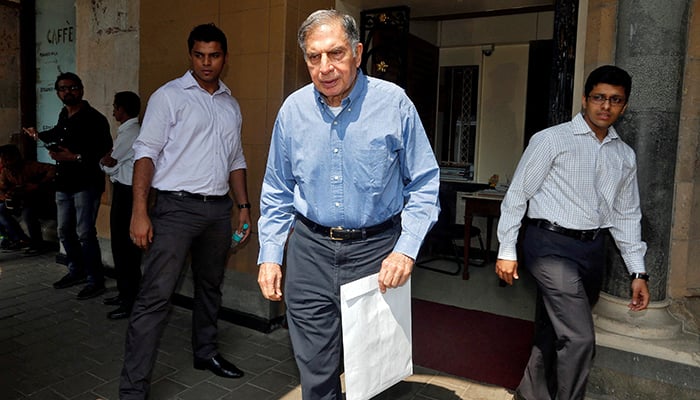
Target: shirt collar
column 188, row 82
column 127, row 123
column 357, row 90
column 580, row 127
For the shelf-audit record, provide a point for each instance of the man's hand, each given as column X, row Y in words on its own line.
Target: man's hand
column 640, row 295
column 141, row 230
column 108, row 160
column 507, row 270
column 270, row 281
column 62, row 154
column 31, row 132
column 396, row 269
column 243, row 219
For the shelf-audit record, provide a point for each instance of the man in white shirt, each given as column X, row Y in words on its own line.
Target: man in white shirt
column 577, row 181
column 189, row 151
column 119, row 165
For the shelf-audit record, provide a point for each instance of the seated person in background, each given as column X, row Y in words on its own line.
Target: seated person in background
column 23, row 186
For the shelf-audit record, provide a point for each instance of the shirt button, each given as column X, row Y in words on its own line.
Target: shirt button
column 337, row 204
column 335, row 122
column 335, row 178
column 335, row 150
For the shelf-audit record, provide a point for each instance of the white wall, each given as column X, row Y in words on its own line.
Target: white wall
column 501, row 121
column 502, row 82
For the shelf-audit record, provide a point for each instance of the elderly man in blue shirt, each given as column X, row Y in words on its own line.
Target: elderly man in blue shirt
column 350, row 168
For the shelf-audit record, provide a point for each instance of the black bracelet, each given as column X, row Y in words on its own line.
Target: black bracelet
column 244, row 205
column 639, row 275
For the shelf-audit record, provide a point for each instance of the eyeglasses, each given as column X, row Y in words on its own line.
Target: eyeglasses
column 68, row 88
column 599, row 99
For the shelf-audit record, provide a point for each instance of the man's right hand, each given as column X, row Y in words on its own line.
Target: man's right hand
column 31, row 132
column 270, row 281
column 141, row 230
column 507, row 270
column 108, row 160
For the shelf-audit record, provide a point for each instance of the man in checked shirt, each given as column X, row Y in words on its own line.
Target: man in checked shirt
column 577, row 181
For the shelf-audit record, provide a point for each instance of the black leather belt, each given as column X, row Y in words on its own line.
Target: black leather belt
column 583, row 235
column 196, row 196
column 340, row 233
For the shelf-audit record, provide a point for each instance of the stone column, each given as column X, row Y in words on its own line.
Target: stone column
column 651, row 42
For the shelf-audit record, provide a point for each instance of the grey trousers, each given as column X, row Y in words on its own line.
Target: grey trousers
column 180, row 225
column 316, row 268
column 569, row 274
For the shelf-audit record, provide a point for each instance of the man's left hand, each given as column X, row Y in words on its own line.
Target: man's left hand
column 640, row 295
column 62, row 155
column 244, row 219
column 396, row 269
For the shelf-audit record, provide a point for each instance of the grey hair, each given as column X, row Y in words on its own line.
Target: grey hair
column 321, row 17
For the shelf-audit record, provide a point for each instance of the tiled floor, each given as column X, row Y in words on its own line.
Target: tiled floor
column 53, row 346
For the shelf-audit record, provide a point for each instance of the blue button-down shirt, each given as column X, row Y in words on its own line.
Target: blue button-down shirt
column 355, row 169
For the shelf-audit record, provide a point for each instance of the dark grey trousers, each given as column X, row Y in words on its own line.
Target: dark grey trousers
column 316, row 268
column 180, row 225
column 569, row 274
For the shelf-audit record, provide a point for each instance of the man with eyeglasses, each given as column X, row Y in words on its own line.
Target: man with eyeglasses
column 577, row 181
column 77, row 143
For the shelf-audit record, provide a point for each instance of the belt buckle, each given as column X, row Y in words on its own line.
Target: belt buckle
column 335, row 229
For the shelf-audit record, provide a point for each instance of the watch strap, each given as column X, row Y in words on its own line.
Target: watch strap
column 639, row 275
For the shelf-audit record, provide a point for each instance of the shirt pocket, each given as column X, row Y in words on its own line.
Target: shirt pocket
column 370, row 168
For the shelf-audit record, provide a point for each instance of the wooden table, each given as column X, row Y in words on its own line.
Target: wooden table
column 484, row 205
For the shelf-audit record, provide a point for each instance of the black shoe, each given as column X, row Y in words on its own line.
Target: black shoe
column 35, row 249
column 15, row 245
column 91, row 291
column 120, row 313
column 112, row 301
column 219, row 366
column 69, row 280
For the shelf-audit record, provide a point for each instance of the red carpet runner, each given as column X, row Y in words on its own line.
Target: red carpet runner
column 472, row 344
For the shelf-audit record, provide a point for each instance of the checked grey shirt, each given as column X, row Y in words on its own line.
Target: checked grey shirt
column 572, row 179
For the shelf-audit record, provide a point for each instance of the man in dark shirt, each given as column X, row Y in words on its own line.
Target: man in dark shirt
column 77, row 143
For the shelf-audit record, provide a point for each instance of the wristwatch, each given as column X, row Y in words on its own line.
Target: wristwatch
column 244, row 205
column 639, row 275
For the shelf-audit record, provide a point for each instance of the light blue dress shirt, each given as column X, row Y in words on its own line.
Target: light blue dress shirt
column 355, row 169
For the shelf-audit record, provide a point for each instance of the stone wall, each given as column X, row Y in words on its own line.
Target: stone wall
column 10, row 122
column 107, row 61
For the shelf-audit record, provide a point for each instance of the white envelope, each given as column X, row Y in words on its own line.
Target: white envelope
column 376, row 336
